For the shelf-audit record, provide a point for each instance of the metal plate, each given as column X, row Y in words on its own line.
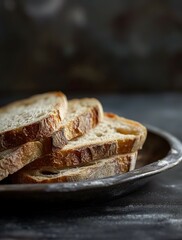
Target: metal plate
column 161, row 152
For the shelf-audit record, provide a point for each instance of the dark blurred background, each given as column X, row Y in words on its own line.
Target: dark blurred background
column 90, row 45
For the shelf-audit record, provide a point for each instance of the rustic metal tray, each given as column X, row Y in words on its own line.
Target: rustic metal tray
column 161, row 152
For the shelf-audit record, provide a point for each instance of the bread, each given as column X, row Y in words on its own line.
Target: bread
column 14, row 159
column 113, row 136
column 94, row 170
column 75, row 139
column 83, row 115
column 31, row 119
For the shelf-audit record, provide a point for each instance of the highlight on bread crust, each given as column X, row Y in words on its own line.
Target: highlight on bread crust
column 94, row 170
column 31, row 119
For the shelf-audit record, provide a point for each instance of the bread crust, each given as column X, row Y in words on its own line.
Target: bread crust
column 83, row 155
column 79, row 126
column 95, row 170
column 37, row 130
column 76, row 156
column 17, row 158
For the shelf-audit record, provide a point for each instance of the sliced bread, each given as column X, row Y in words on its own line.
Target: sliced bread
column 83, row 115
column 112, row 136
column 14, row 159
column 94, row 170
column 31, row 119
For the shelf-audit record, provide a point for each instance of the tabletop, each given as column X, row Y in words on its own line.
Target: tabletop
column 154, row 211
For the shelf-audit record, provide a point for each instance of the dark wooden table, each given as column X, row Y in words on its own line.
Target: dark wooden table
column 152, row 212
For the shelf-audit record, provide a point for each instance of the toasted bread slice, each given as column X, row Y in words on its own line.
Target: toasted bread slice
column 94, row 170
column 31, row 119
column 14, row 159
column 113, row 136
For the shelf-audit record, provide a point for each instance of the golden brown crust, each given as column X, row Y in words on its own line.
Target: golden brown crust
column 37, row 130
column 19, row 157
column 98, row 169
column 83, row 155
column 78, row 127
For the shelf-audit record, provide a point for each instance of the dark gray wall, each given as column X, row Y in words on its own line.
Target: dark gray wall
column 90, row 45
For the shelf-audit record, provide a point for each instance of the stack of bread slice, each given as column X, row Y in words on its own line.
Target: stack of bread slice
column 46, row 139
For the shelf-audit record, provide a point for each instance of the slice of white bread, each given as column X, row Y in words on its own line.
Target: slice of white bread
column 112, row 136
column 94, row 170
column 31, row 119
column 14, row 159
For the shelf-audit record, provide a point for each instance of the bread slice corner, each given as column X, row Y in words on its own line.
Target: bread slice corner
column 31, row 119
column 12, row 160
